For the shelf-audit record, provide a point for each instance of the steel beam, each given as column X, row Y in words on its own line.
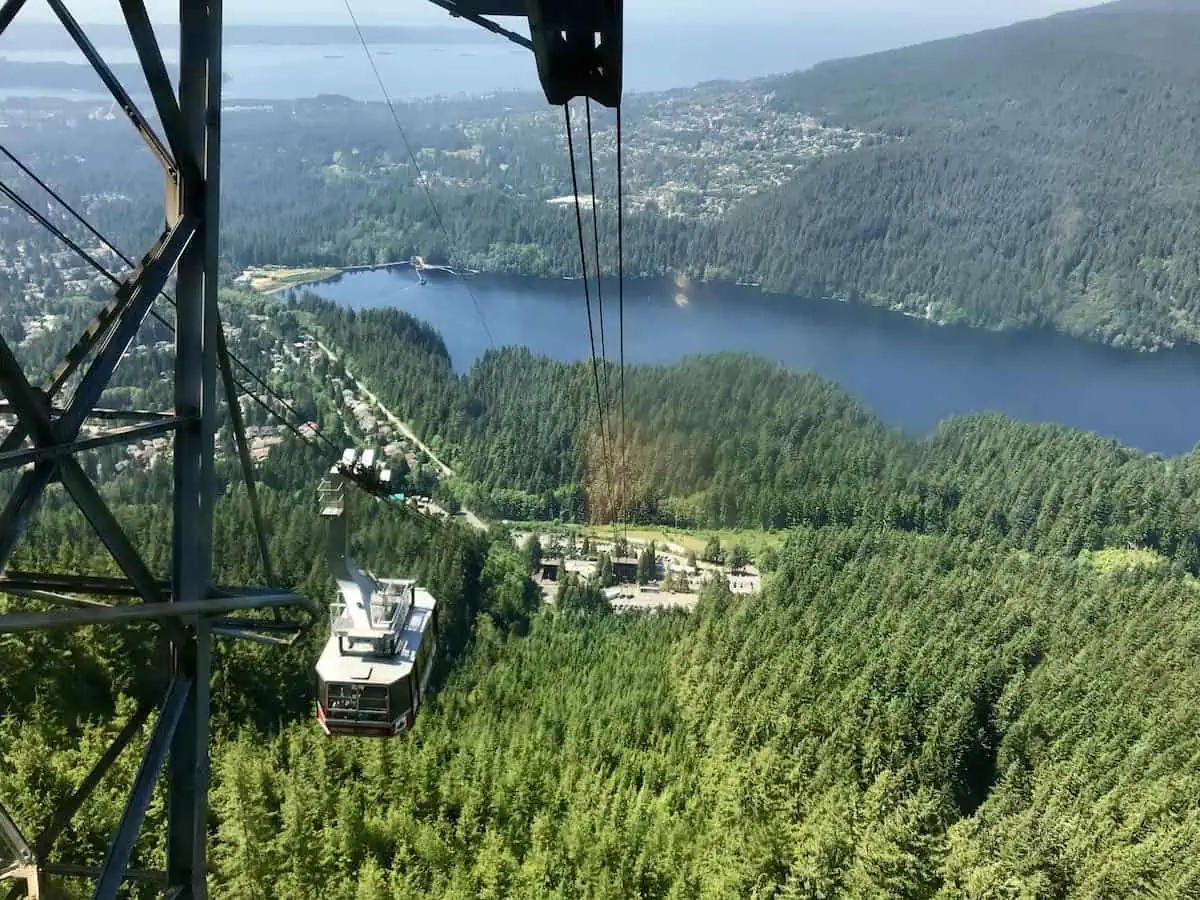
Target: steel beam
column 22, row 853
column 121, row 415
column 243, row 449
column 186, row 610
column 159, row 82
column 105, row 524
column 58, row 599
column 18, row 582
column 196, row 341
column 66, row 811
column 253, row 637
column 34, row 888
column 130, row 298
column 90, row 503
column 144, row 284
column 147, row 282
column 117, row 862
column 67, row 870
column 269, row 626
column 16, row 458
column 188, row 607
column 93, row 334
column 476, row 13
column 8, row 12
column 468, row 8
column 114, row 87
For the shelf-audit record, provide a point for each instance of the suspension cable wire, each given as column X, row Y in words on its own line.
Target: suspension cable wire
column 45, row 223
column 600, row 303
column 103, row 270
column 587, row 299
column 621, row 325
column 596, row 243
column 34, row 214
column 64, row 204
column 437, row 216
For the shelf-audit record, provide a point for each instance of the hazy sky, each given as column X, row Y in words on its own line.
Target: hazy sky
column 940, row 15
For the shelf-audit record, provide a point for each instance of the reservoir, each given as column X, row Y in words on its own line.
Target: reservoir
column 912, row 373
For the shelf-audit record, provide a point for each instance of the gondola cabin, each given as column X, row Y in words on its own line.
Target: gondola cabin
column 371, row 682
column 375, row 668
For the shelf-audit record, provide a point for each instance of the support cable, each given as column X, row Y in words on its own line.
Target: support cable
column 437, row 216
column 621, row 326
column 596, row 243
column 600, row 304
column 56, row 231
column 104, row 271
column 227, row 373
column 587, row 299
column 227, row 354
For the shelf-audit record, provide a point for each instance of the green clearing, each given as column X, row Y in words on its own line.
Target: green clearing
column 1113, row 559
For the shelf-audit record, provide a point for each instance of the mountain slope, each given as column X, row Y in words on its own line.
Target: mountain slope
column 938, row 715
column 1044, row 174
column 896, row 717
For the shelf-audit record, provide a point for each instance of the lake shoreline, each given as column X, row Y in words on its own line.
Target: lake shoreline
column 912, row 372
column 332, row 273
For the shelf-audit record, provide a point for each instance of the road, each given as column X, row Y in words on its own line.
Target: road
column 472, row 519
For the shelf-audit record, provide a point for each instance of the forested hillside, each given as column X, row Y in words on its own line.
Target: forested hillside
column 736, row 441
column 937, row 695
column 898, row 716
column 1046, row 175
column 894, row 718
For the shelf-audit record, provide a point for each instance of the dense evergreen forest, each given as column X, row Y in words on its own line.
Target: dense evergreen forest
column 1036, row 175
column 960, row 681
column 735, row 441
column 972, row 671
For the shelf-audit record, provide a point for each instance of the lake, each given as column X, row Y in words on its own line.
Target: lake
column 913, row 373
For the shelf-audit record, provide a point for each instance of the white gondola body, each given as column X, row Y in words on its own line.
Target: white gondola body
column 376, row 665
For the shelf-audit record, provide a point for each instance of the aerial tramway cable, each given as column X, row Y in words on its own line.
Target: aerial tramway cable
column 104, row 271
column 596, row 241
column 297, row 430
column 437, row 216
column 624, row 462
column 600, row 303
column 587, row 299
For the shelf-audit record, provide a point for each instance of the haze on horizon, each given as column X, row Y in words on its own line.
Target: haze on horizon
column 938, row 17
column 669, row 43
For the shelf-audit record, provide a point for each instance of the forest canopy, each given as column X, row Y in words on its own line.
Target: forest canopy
column 958, row 682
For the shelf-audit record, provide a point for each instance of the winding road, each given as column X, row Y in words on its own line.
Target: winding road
column 471, row 518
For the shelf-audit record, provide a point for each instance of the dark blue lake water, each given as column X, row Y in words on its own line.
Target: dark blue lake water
column 912, row 373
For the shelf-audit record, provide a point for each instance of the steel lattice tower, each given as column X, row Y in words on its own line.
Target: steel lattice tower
column 46, row 441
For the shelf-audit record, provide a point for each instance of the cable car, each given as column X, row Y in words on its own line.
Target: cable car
column 375, row 668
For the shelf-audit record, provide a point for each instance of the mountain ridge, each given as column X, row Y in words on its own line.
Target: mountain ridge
column 1044, row 176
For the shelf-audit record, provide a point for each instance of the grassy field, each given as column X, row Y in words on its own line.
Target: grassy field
column 268, row 279
column 1113, row 559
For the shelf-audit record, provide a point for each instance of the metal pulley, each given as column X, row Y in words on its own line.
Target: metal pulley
column 577, row 43
column 578, row 47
